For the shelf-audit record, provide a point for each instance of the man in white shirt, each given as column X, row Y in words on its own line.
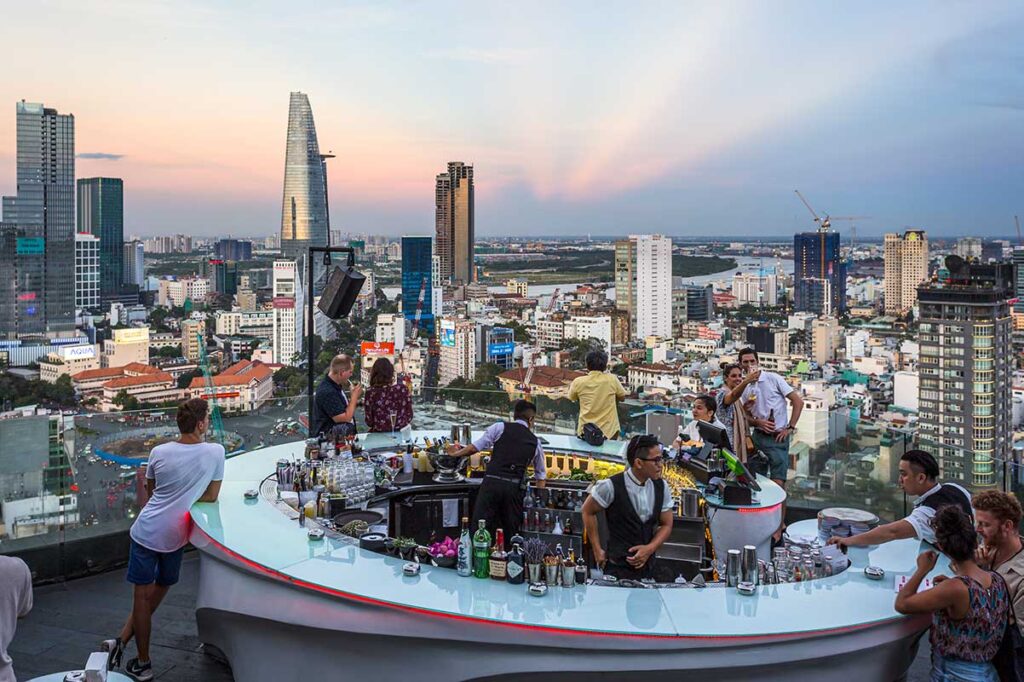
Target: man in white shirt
column 15, row 603
column 919, row 473
column 638, row 510
column 178, row 475
column 767, row 400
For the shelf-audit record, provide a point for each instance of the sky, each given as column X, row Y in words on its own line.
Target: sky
column 602, row 118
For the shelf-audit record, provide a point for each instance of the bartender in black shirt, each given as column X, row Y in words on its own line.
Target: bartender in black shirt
column 334, row 412
column 513, row 446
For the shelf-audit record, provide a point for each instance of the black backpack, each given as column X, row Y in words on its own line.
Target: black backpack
column 592, row 434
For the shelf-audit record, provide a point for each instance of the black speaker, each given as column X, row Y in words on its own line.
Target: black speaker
column 340, row 293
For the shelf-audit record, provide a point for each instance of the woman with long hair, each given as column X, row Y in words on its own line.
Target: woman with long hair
column 730, row 410
column 387, row 405
column 969, row 611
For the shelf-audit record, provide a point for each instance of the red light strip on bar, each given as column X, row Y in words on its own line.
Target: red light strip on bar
column 522, row 626
column 759, row 510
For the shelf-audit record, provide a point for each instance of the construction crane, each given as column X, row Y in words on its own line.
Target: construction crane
column 823, row 223
column 554, row 298
column 527, row 378
column 211, row 390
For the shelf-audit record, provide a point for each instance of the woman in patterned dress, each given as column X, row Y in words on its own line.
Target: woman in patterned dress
column 969, row 611
column 387, row 406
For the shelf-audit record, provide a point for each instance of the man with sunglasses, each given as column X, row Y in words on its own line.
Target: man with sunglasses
column 638, row 510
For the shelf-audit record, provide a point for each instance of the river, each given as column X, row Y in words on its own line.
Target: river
column 743, row 264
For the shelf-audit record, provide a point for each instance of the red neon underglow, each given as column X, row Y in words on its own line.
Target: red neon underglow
column 298, row 582
column 759, row 510
column 27, row 296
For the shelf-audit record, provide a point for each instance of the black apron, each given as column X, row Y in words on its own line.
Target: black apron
column 625, row 530
column 499, row 502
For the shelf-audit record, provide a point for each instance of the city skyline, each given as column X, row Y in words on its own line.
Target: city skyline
column 678, row 120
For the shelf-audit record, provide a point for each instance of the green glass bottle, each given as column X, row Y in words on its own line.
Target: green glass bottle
column 482, row 552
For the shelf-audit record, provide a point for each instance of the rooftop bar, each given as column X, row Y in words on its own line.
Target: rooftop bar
column 279, row 604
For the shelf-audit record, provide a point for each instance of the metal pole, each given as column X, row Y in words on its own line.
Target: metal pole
column 310, row 351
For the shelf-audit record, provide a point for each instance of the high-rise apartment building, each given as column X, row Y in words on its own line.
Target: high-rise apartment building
column 288, row 311
column 304, row 211
column 101, row 213
column 969, row 248
column 458, row 349
column 193, row 338
column 133, row 261
column 643, row 283
column 826, row 335
column 454, row 223
column 233, row 249
column 756, row 288
column 496, row 345
column 906, row 267
column 819, row 274
column 87, row 271
column 37, row 233
column 419, row 277
column 169, row 243
column 625, row 279
column 223, row 276
column 964, row 394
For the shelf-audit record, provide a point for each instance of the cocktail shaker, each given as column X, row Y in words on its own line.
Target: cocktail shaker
column 732, row 568
column 749, row 564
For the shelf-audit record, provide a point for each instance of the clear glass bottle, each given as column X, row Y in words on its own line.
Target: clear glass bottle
column 465, row 553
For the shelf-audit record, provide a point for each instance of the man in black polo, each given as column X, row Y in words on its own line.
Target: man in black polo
column 919, row 473
column 334, row 412
column 513, row 446
column 638, row 510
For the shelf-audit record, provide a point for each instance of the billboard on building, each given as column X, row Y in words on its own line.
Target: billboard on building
column 448, row 333
column 496, row 349
column 376, row 348
column 133, row 335
column 284, row 302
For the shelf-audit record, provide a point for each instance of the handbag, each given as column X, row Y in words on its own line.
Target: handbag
column 593, row 434
column 1009, row 659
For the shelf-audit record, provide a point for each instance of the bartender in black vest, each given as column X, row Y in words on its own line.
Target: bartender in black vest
column 638, row 510
column 919, row 473
column 513, row 446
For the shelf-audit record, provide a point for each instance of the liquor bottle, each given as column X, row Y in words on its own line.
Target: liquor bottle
column 581, row 571
column 536, row 526
column 557, row 530
column 526, row 520
column 560, row 557
column 465, row 561
column 547, row 523
column 527, row 500
column 482, row 551
column 498, row 560
column 516, row 566
column 567, row 528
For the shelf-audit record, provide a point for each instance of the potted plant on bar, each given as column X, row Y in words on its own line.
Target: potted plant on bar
column 535, row 549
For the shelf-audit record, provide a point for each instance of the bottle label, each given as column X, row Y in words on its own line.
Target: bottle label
column 497, row 568
column 514, row 570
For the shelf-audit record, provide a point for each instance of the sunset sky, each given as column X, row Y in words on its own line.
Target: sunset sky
column 682, row 118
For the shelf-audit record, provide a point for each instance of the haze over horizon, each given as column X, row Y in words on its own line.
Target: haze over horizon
column 686, row 119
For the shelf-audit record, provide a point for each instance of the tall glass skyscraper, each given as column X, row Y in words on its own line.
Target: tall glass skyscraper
column 454, row 222
column 304, row 216
column 101, row 214
column 417, row 274
column 819, row 274
column 37, row 235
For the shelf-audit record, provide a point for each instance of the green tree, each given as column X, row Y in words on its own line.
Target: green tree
column 519, row 332
column 578, row 349
column 126, row 402
column 186, row 379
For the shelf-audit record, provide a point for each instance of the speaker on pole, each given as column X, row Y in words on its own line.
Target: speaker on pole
column 341, row 292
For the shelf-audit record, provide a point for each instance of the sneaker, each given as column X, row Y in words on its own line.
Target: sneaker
column 141, row 672
column 116, row 649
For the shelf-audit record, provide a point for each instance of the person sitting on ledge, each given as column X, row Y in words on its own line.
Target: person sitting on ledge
column 918, row 474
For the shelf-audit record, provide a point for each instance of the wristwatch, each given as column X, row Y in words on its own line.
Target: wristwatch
column 791, row 427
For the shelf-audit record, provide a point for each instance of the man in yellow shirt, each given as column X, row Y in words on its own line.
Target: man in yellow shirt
column 597, row 393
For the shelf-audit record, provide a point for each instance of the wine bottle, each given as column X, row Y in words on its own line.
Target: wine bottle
column 498, row 559
column 465, row 561
column 516, row 566
column 482, row 551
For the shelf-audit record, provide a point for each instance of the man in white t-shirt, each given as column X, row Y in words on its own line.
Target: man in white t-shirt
column 15, row 603
column 178, row 475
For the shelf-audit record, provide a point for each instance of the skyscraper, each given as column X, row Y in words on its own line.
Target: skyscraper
column 87, row 271
column 417, row 275
column 819, row 274
column 289, row 319
column 134, row 260
column 304, row 216
column 965, row 372
column 101, row 213
column 454, row 222
column 643, row 267
column 906, row 267
column 37, row 235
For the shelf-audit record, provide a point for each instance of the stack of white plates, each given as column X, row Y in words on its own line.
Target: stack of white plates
column 844, row 522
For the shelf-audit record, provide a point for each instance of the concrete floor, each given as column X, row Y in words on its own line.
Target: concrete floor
column 69, row 620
